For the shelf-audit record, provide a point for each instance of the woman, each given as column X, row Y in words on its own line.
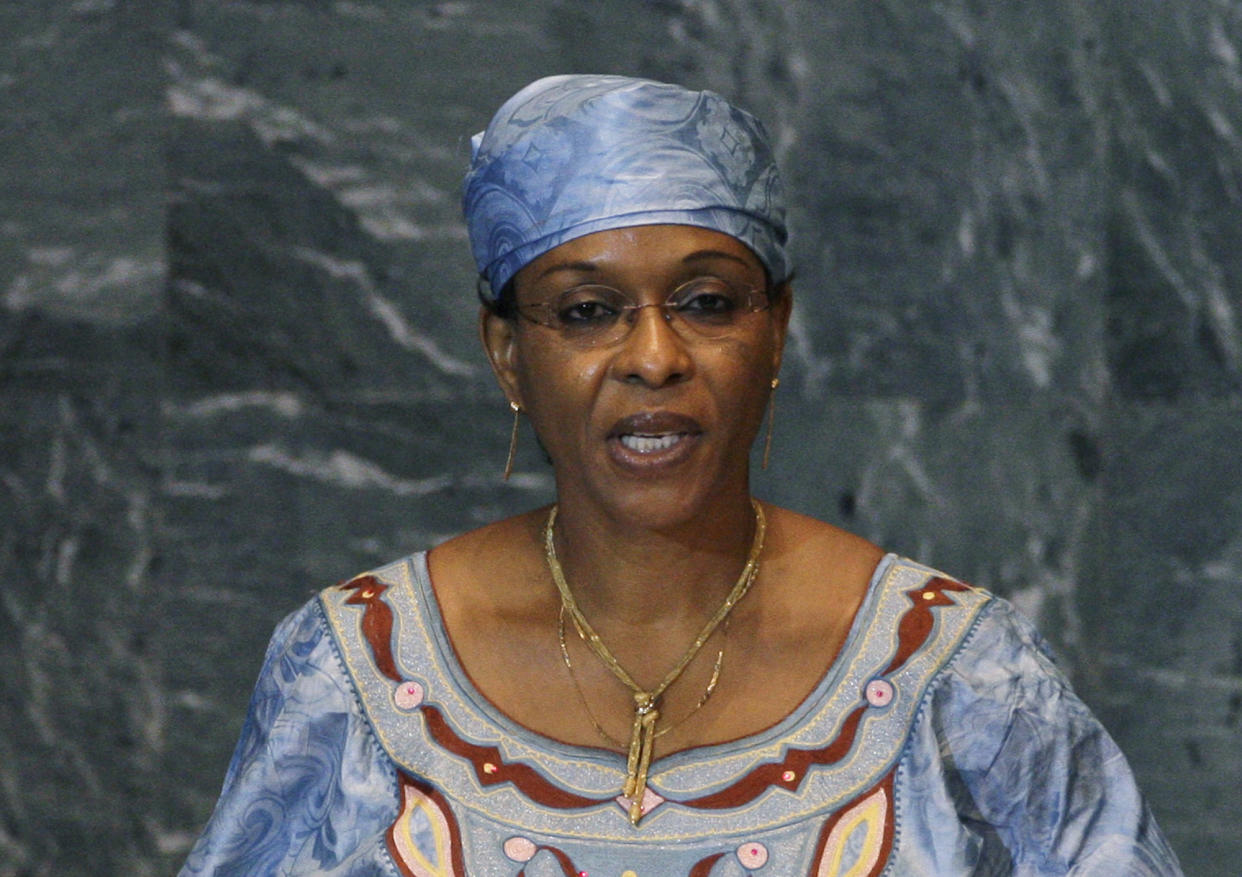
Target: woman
column 658, row 675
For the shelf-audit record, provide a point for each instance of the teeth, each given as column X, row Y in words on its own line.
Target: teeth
column 646, row 444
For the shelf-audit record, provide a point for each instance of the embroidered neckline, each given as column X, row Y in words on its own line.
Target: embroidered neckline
column 844, row 737
column 808, row 708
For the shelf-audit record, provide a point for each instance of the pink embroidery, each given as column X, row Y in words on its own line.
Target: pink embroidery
column 425, row 840
column 407, row 695
column 858, row 838
column 879, row 692
column 752, row 855
column 650, row 801
column 520, row 849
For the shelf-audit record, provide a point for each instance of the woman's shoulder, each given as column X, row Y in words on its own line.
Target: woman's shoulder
column 1006, row 659
column 299, row 630
column 521, row 531
column 477, row 564
column 816, row 539
column 467, row 561
column 818, row 562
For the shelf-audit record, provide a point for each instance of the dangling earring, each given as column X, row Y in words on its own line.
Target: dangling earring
column 767, row 442
column 517, row 411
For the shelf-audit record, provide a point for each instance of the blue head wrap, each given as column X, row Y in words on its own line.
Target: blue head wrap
column 571, row 155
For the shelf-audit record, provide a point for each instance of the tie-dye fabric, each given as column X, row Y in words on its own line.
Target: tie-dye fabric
column 571, row 155
column 942, row 741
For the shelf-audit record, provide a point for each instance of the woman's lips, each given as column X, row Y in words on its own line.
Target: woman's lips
column 651, row 438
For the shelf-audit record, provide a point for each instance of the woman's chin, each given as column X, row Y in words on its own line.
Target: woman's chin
column 660, row 496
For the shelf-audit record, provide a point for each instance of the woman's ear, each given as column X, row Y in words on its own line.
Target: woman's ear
column 499, row 337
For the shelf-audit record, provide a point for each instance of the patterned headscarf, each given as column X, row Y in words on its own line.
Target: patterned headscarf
column 571, row 155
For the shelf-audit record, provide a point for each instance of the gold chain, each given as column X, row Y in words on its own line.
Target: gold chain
column 646, row 702
column 599, row 729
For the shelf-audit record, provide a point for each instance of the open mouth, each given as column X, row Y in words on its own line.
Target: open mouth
column 654, row 438
column 650, row 444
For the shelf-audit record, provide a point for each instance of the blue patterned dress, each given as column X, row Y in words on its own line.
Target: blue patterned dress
column 942, row 741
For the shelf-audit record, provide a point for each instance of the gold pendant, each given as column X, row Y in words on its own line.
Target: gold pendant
column 642, row 747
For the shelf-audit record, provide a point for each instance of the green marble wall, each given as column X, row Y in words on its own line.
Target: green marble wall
column 237, row 355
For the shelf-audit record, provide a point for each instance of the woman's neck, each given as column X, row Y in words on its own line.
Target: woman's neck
column 625, row 574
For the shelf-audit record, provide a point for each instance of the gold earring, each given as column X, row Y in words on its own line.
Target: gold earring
column 517, row 411
column 767, row 442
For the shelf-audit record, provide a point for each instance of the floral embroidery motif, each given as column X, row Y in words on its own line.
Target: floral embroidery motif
column 879, row 692
column 857, row 840
column 752, row 855
column 407, row 695
column 424, row 840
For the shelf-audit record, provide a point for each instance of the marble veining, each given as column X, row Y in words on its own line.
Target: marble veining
column 238, row 357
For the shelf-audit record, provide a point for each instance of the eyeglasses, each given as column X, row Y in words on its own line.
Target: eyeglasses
column 593, row 315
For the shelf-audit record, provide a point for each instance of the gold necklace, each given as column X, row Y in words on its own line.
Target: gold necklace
column 646, row 702
column 586, row 706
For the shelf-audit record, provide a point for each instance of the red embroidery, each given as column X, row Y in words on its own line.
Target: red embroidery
column 491, row 769
column 413, row 793
column 916, row 624
column 567, row 865
column 872, row 812
column 913, row 631
column 704, row 866
column 376, row 621
column 786, row 773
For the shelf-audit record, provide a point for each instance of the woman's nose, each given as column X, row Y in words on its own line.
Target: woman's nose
column 653, row 352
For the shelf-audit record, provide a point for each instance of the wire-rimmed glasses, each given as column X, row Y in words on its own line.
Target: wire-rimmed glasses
column 594, row 315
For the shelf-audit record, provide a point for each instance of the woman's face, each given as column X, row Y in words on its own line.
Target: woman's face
column 655, row 425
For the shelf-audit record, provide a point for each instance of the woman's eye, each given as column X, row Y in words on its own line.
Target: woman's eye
column 586, row 310
column 708, row 303
column 710, row 299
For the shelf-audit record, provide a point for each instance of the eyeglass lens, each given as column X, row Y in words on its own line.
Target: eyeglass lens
column 593, row 314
